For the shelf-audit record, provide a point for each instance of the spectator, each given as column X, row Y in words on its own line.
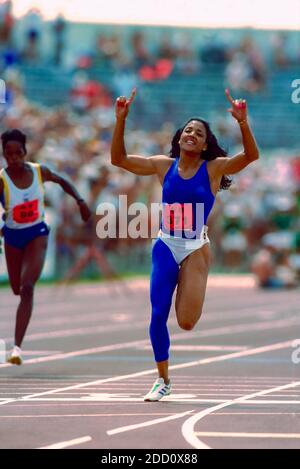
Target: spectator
column 279, row 55
column 141, row 55
column 6, row 23
column 238, row 73
column 108, row 50
column 59, row 28
column 33, row 24
column 88, row 94
column 257, row 77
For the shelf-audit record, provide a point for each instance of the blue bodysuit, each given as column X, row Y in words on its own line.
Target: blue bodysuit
column 183, row 230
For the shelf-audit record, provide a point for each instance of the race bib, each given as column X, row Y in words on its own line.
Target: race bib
column 27, row 212
column 178, row 217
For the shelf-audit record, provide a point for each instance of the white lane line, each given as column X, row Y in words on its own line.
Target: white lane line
column 228, row 356
column 5, row 388
column 188, row 426
column 257, row 350
column 37, row 416
column 219, row 414
column 247, row 435
column 128, row 428
column 83, row 331
column 137, row 401
column 39, row 352
column 7, row 401
column 93, row 394
column 78, row 353
column 119, row 400
column 240, row 313
column 201, row 348
column 66, row 444
column 208, row 333
column 273, row 401
column 204, row 380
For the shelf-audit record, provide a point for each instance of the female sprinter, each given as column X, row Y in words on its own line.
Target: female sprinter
column 25, row 232
column 197, row 169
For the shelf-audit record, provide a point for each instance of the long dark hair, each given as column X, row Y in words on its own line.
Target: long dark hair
column 211, row 153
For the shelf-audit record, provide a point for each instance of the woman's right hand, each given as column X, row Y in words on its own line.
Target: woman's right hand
column 123, row 104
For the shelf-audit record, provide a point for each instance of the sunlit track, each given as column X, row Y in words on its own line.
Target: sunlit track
column 88, row 360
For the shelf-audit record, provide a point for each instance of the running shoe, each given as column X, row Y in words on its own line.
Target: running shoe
column 159, row 389
column 16, row 356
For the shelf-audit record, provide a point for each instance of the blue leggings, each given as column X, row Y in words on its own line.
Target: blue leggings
column 164, row 277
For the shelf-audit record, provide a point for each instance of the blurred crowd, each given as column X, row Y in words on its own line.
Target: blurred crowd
column 135, row 56
column 254, row 226
column 28, row 49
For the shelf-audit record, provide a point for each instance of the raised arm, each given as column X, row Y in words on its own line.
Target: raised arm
column 238, row 162
column 134, row 163
column 67, row 187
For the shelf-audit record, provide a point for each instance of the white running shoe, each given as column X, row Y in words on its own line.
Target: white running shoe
column 16, row 356
column 159, row 389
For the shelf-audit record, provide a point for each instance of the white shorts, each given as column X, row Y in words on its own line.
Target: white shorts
column 182, row 247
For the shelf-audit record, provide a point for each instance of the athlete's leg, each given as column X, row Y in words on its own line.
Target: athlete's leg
column 14, row 257
column 32, row 265
column 191, row 287
column 164, row 278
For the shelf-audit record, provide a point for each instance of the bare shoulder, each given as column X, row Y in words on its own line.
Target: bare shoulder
column 162, row 164
column 214, row 167
column 46, row 173
column 162, row 160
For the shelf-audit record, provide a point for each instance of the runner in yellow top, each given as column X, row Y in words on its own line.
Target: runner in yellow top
column 25, row 232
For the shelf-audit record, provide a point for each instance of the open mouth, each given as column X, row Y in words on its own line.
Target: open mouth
column 190, row 142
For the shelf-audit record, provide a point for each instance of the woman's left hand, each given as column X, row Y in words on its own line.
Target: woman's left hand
column 84, row 211
column 238, row 108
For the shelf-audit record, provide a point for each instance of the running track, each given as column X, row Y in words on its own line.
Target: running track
column 89, row 363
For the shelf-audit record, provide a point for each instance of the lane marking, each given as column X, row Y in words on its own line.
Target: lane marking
column 240, row 313
column 83, row 331
column 89, row 351
column 147, row 424
column 139, row 400
column 216, row 331
column 219, row 414
column 188, row 426
column 7, row 401
column 37, row 416
column 218, row 358
column 201, row 348
column 136, row 401
column 129, row 400
column 66, row 444
column 204, row 380
column 248, row 435
column 39, row 352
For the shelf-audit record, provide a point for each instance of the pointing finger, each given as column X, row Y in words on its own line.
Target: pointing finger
column 229, row 97
column 132, row 96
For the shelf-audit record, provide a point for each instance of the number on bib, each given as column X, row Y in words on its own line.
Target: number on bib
column 178, row 217
column 28, row 212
